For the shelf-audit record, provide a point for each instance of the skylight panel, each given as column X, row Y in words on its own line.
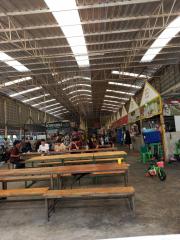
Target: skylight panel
column 55, row 104
column 125, row 85
column 67, row 15
column 79, row 90
column 86, row 95
column 77, row 85
column 164, row 38
column 12, row 62
column 15, row 81
column 114, row 91
column 136, row 75
column 108, row 110
column 75, row 77
column 112, row 104
column 58, row 111
column 54, row 109
column 109, row 96
column 47, row 101
column 34, row 98
column 25, row 91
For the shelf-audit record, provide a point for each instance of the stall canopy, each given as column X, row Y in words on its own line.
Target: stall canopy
column 134, row 112
column 150, row 103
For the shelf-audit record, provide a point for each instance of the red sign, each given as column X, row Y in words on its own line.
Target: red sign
column 120, row 122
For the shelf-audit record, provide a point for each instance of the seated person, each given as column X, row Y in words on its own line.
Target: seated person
column 15, row 155
column 60, row 147
column 73, row 145
column 44, row 147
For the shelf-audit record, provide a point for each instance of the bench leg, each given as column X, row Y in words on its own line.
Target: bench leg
column 126, row 178
column 47, row 209
column 132, row 205
column 52, row 182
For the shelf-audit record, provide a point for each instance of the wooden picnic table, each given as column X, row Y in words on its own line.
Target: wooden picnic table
column 70, row 169
column 32, row 154
column 61, row 171
column 63, row 157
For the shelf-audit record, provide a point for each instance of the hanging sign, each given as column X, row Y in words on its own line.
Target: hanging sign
column 62, row 127
column 133, row 105
column 124, row 112
column 150, row 103
column 134, row 111
column 134, row 116
column 149, row 93
column 151, row 109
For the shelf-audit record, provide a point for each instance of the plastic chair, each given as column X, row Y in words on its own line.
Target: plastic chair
column 145, row 154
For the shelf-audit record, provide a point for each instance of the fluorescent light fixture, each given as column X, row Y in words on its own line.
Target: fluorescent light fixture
column 54, row 109
column 58, row 111
column 111, row 107
column 111, row 101
column 67, row 15
column 79, row 90
column 12, row 62
column 111, row 104
column 47, row 101
column 109, row 96
column 114, row 91
column 15, row 81
column 55, row 104
column 77, row 85
column 75, row 77
column 169, row 32
column 34, row 98
column 80, row 95
column 25, row 91
column 125, row 85
column 108, row 110
column 136, row 75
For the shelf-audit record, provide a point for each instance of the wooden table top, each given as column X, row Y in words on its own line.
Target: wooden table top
column 75, row 156
column 72, row 169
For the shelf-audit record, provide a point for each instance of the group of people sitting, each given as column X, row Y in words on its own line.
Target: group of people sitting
column 61, row 144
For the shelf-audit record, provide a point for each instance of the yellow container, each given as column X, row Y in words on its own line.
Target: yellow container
column 119, row 160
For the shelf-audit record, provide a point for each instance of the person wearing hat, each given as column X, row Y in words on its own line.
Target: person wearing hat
column 15, row 155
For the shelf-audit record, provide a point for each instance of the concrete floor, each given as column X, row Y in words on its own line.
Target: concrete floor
column 157, row 212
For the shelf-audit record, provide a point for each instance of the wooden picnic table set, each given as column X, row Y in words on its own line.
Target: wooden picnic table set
column 56, row 174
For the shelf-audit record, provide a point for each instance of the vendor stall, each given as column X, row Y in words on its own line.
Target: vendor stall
column 171, row 112
column 152, row 121
column 120, row 125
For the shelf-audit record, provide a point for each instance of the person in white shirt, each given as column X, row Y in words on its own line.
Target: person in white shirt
column 44, row 147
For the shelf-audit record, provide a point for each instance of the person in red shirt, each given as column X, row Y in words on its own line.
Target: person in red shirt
column 73, row 145
column 15, row 155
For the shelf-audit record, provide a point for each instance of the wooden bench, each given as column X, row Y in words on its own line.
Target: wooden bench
column 23, row 192
column 98, row 160
column 26, row 179
column 103, row 192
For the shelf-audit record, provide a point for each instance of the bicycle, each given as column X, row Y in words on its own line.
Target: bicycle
column 156, row 168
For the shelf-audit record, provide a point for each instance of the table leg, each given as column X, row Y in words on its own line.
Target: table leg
column 4, row 185
column 52, row 182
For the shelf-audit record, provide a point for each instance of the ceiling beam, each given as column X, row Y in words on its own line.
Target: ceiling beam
column 81, row 7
